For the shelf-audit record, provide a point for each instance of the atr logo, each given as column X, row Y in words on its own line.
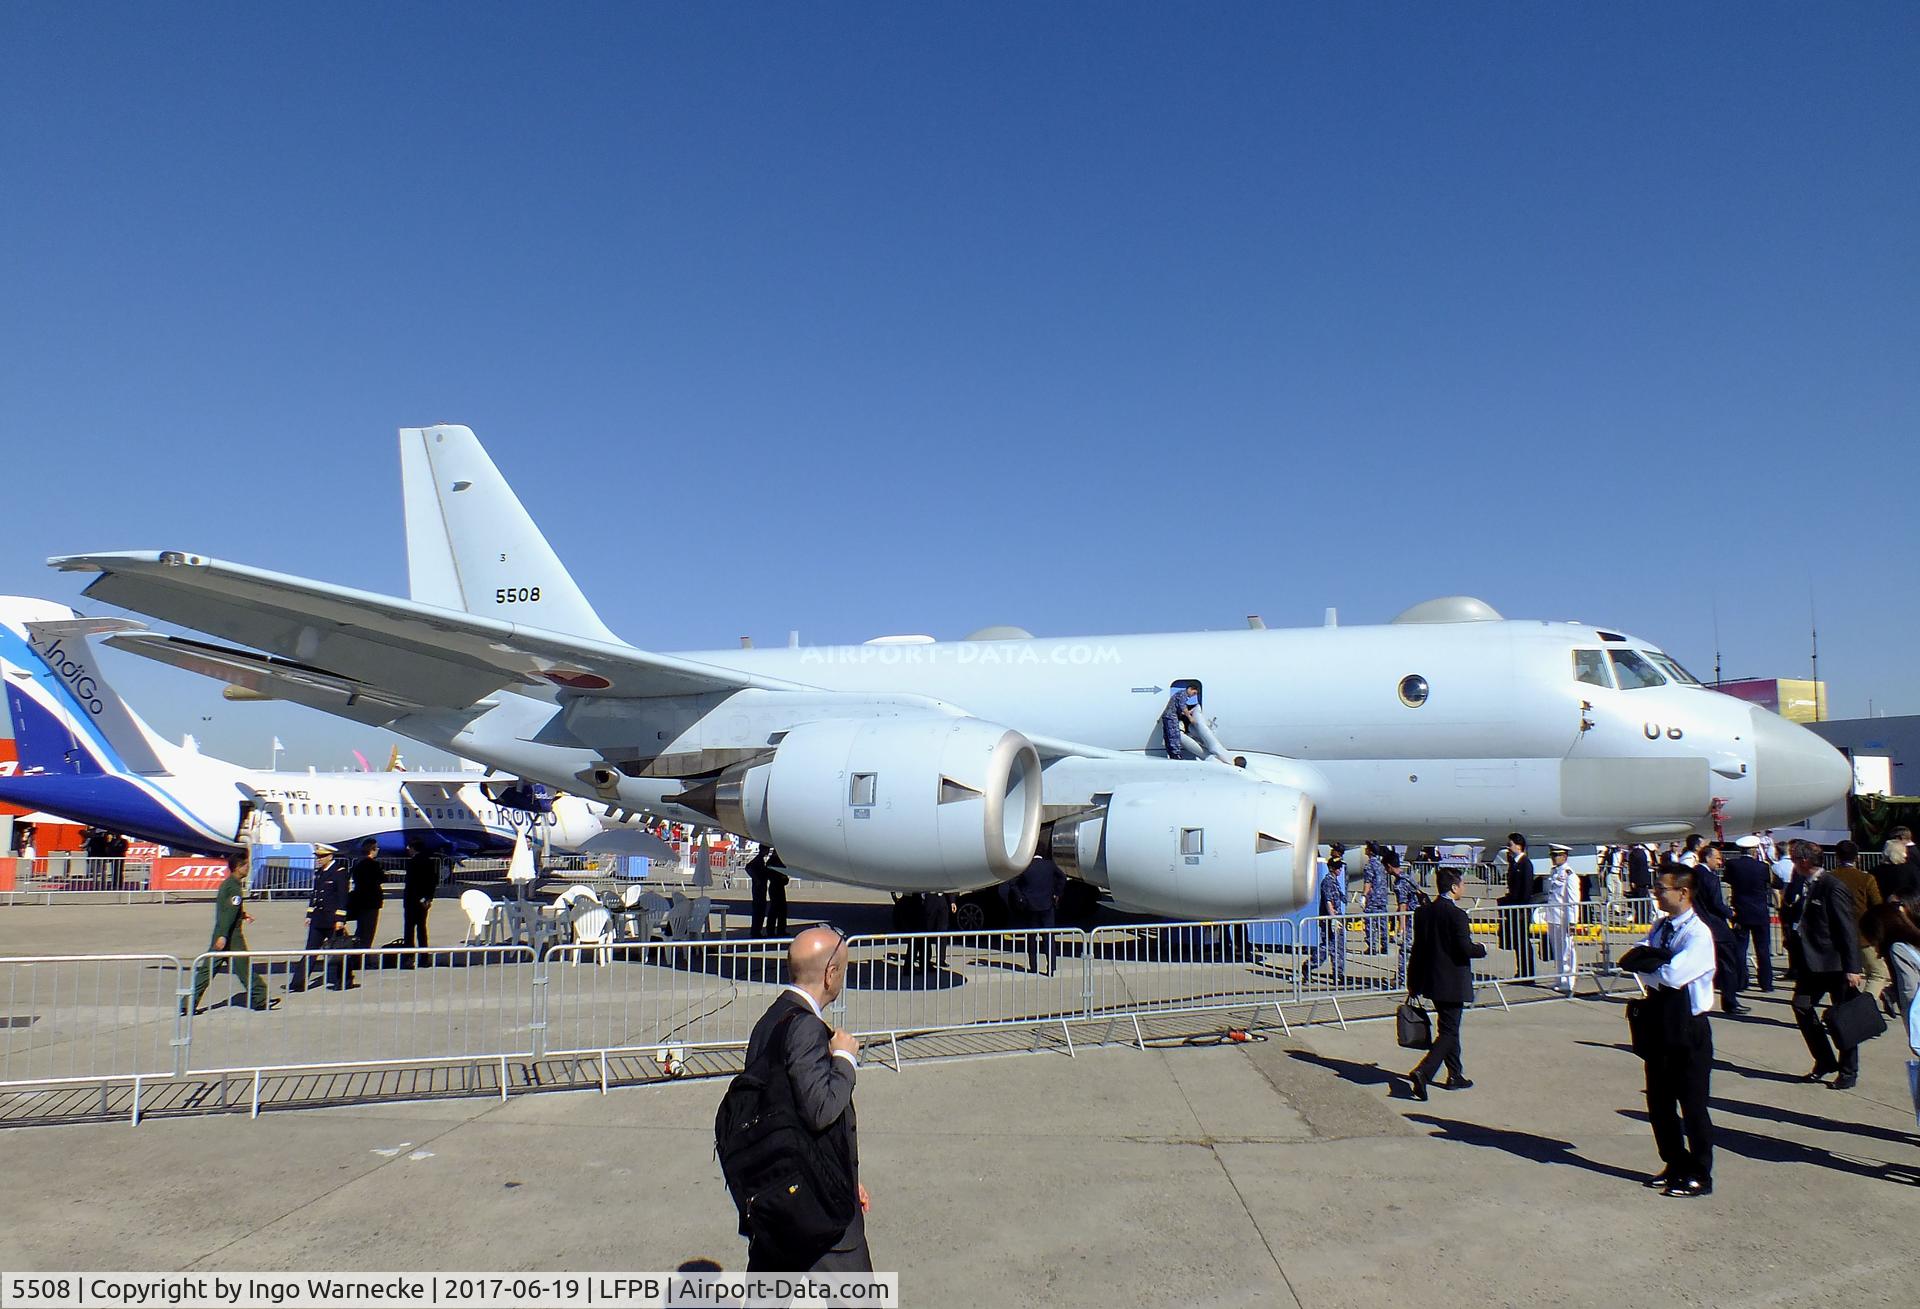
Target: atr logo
column 187, row 874
column 77, row 676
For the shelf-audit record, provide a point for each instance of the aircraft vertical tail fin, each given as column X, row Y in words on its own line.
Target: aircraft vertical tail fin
column 471, row 545
column 67, row 719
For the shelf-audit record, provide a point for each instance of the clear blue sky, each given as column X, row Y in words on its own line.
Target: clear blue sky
column 864, row 318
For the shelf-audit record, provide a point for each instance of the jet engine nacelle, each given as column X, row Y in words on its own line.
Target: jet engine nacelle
column 1218, row 846
column 931, row 803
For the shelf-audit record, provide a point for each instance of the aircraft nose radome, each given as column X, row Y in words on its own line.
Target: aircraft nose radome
column 1796, row 774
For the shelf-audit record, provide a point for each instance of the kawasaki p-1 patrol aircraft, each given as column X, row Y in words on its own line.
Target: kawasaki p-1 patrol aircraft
column 921, row 765
column 85, row 755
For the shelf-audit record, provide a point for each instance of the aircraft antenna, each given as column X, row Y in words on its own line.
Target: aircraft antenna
column 1716, row 641
column 1813, row 623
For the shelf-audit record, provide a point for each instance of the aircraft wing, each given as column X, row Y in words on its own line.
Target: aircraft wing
column 408, row 654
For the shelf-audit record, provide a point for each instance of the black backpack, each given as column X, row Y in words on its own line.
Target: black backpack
column 791, row 1189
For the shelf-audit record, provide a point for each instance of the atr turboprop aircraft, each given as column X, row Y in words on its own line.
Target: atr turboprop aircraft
column 925, row 765
column 86, row 756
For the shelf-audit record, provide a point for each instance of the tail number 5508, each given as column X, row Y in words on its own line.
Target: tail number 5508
column 515, row 594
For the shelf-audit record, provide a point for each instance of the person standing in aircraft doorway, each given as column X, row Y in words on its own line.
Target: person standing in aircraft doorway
column 1182, row 707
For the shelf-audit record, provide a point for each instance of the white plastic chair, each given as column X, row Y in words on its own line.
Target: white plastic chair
column 593, row 925
column 684, row 913
column 478, row 906
column 566, row 898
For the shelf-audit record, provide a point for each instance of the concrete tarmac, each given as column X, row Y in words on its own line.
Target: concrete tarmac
column 1283, row 1172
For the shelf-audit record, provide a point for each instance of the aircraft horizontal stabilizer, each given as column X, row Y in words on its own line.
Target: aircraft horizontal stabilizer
column 267, row 678
column 415, row 654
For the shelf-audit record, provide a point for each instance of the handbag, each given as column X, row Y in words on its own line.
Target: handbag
column 1413, row 1026
column 1854, row 1020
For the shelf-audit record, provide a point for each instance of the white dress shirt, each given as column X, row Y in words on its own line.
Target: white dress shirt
column 1691, row 968
column 1783, row 869
column 837, row 1054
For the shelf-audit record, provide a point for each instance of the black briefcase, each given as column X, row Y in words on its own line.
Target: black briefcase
column 1413, row 1026
column 1854, row 1020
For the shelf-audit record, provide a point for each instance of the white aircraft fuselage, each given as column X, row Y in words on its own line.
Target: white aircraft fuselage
column 1506, row 737
column 910, row 764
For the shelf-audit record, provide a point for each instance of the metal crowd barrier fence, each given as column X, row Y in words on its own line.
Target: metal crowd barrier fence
column 1351, row 956
column 361, row 1008
column 662, row 998
column 1149, row 969
column 119, row 1018
column 62, row 876
column 73, row 1019
column 919, row 982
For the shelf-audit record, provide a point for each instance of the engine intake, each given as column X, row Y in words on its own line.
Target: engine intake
column 929, row 803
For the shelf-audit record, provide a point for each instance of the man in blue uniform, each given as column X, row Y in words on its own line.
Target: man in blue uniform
column 1377, row 883
column 1749, row 890
column 1407, row 897
column 326, row 920
column 1710, row 903
column 1033, row 898
column 1182, row 705
column 1332, row 908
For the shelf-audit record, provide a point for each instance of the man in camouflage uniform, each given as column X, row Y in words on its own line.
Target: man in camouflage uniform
column 229, row 933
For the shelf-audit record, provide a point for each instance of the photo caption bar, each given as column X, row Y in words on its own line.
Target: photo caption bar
column 448, row 1290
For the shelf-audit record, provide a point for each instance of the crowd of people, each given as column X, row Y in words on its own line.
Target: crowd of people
column 1851, row 938
column 343, row 916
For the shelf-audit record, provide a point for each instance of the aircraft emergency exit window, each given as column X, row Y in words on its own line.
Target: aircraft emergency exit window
column 1634, row 672
column 1671, row 667
column 1590, row 666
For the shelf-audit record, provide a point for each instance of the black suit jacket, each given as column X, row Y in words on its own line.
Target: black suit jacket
column 1519, row 881
column 1829, row 928
column 1639, row 872
column 1749, row 886
column 423, row 878
column 369, row 887
column 822, row 1084
column 1898, row 881
column 1710, row 902
column 1441, row 965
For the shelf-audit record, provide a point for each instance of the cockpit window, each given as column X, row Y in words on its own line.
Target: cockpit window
column 1634, row 672
column 1671, row 667
column 1590, row 666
